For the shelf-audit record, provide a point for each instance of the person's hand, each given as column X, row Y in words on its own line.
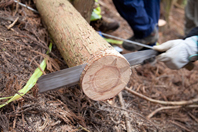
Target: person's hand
column 177, row 52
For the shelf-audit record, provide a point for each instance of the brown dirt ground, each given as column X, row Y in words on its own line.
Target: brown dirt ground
column 23, row 47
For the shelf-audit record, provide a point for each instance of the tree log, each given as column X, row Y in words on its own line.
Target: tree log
column 107, row 72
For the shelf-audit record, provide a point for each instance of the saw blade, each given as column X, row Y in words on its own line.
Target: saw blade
column 139, row 57
column 69, row 77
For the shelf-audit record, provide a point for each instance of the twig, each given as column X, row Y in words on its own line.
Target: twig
column 171, row 107
column 180, row 103
column 22, row 114
column 17, row 8
column 81, row 127
column 23, row 120
column 192, row 106
column 15, row 118
column 175, row 123
column 10, row 18
column 40, row 68
column 46, row 122
column 34, row 59
column 11, row 25
column 128, row 124
column 192, row 116
column 55, row 123
column 162, row 108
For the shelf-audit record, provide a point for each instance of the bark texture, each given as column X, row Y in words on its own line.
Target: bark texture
column 107, row 72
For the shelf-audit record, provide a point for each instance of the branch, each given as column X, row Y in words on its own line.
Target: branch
column 162, row 108
column 128, row 124
column 175, row 123
column 180, row 103
column 11, row 25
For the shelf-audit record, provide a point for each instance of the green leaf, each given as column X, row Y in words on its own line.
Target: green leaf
column 6, row 98
column 96, row 14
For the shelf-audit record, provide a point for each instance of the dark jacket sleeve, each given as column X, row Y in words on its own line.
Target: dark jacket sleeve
column 193, row 32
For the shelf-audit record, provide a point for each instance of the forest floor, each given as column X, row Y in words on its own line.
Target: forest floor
column 22, row 48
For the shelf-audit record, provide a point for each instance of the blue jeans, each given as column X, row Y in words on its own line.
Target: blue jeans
column 141, row 15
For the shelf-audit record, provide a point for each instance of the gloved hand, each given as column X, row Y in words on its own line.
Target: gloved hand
column 177, row 52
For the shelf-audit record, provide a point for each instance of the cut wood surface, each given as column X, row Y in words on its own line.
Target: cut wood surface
column 107, row 72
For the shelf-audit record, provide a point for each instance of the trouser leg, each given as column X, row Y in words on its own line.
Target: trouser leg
column 141, row 15
column 191, row 15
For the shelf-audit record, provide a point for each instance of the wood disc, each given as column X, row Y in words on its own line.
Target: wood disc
column 106, row 77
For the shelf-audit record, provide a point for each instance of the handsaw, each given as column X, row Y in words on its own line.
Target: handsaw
column 71, row 76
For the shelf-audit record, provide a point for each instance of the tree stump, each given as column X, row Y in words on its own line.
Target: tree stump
column 107, row 72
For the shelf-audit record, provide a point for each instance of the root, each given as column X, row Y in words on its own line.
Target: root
column 180, row 103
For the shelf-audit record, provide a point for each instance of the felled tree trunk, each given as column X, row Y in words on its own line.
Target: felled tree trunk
column 107, row 72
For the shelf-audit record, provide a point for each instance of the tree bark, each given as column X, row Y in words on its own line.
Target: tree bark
column 107, row 72
column 85, row 7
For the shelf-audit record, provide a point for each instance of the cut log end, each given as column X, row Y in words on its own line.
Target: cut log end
column 106, row 77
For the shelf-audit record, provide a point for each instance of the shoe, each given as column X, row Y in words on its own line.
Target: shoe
column 105, row 25
column 149, row 40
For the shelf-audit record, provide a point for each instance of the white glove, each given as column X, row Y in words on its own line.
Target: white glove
column 178, row 52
